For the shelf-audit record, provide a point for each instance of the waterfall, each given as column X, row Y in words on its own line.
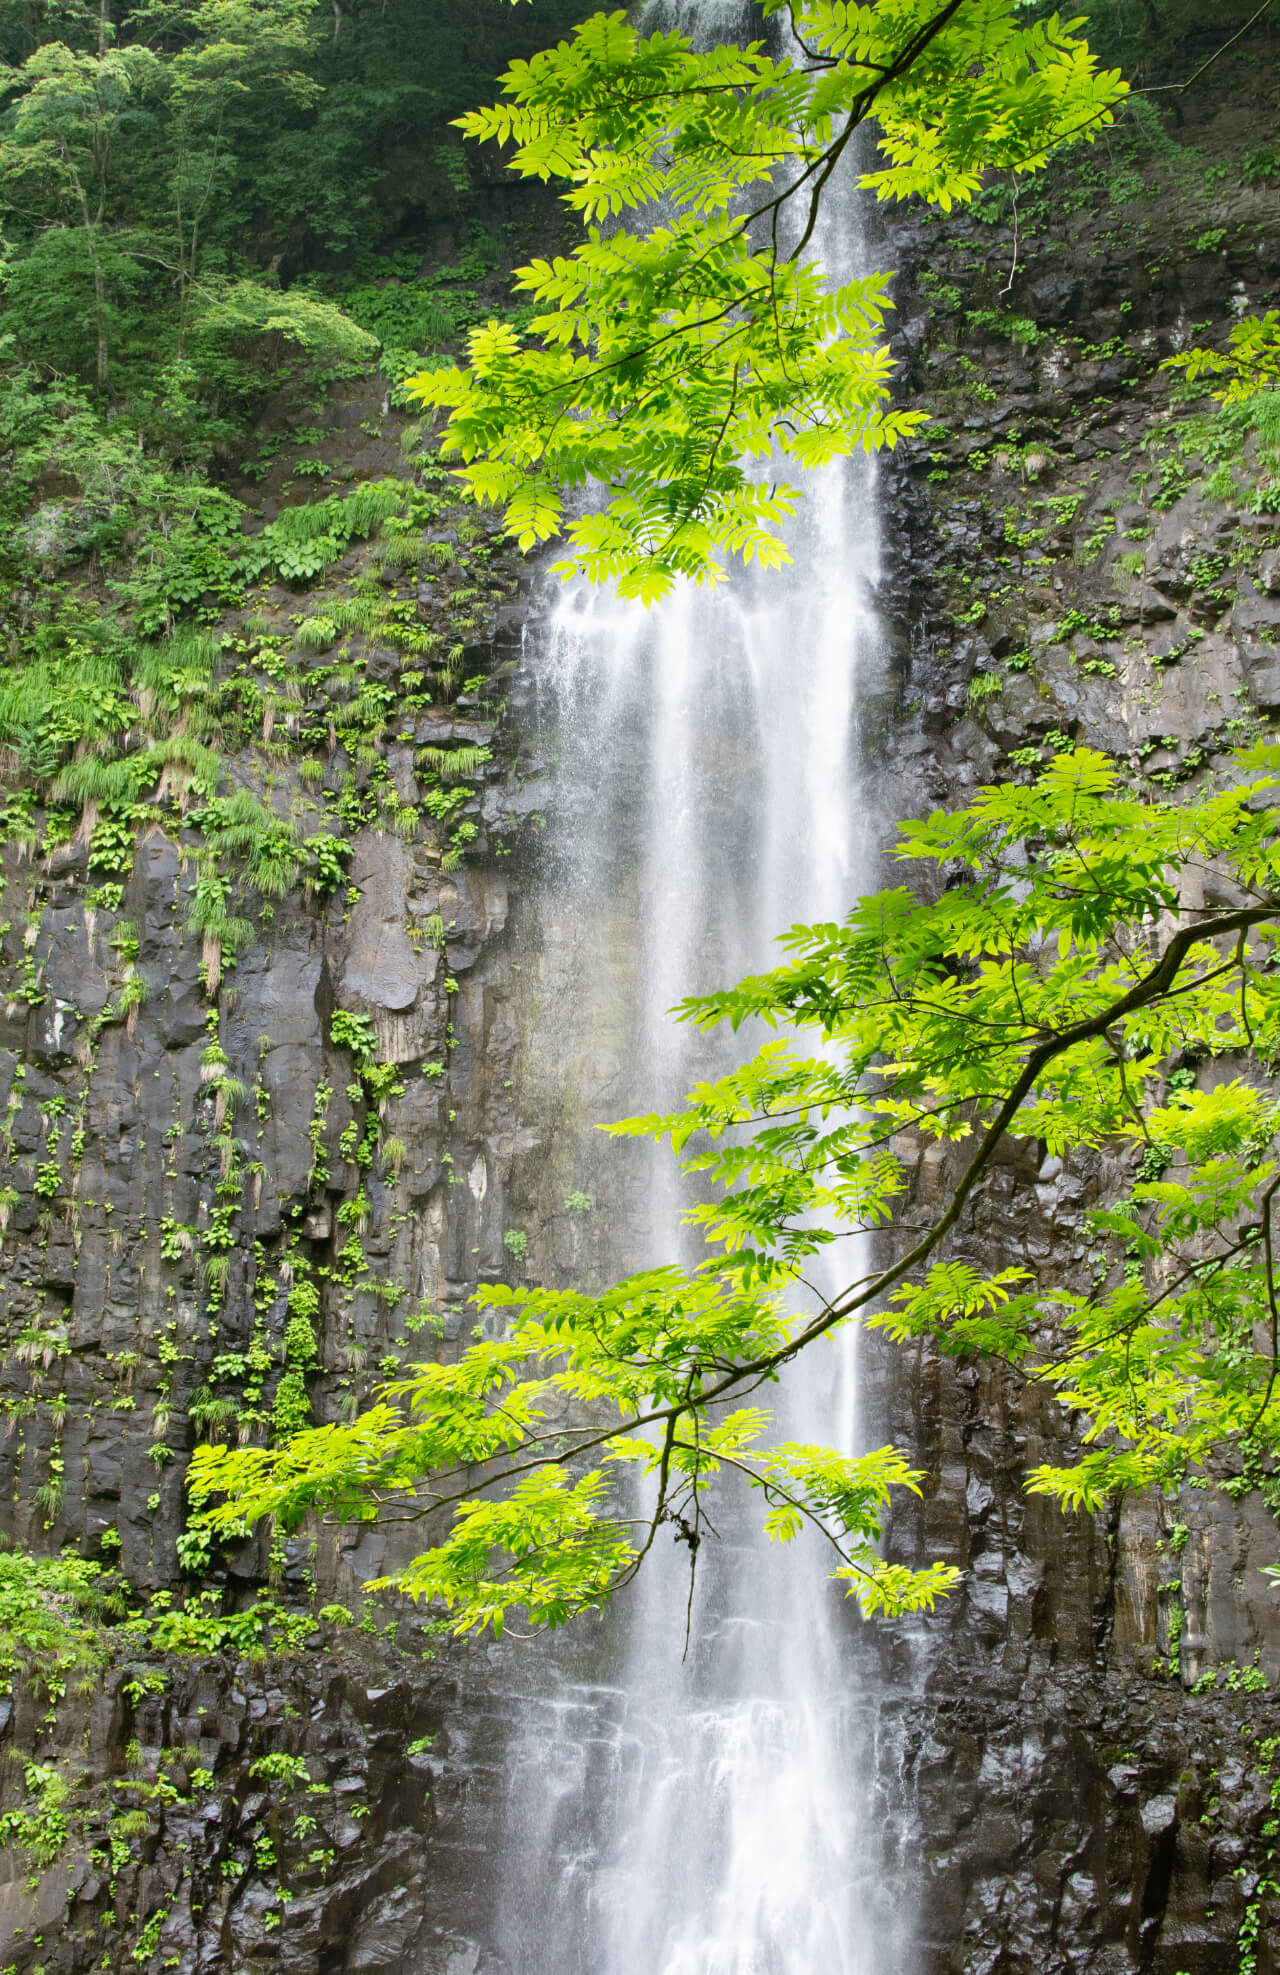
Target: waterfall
column 708, row 1812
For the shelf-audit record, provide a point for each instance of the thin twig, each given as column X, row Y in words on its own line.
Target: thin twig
column 1163, row 88
column 1008, row 286
column 1267, row 1198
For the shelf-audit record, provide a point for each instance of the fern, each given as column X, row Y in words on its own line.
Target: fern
column 302, row 541
column 397, row 551
column 92, row 779
column 367, row 507
column 50, row 707
column 317, row 632
column 453, row 764
column 265, row 846
column 355, row 614
column 179, row 668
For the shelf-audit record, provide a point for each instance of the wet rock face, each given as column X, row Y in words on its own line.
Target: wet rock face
column 94, row 1273
column 1076, row 1806
column 175, row 1164
column 324, row 1845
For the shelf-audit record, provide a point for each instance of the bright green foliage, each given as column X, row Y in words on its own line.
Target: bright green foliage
column 328, row 853
column 1064, row 993
column 356, row 1033
column 304, row 540
column 671, row 356
column 1249, row 364
column 264, row 848
column 201, row 1627
column 281, row 1768
column 40, row 1826
column 560, row 1542
column 292, row 1408
column 51, row 1610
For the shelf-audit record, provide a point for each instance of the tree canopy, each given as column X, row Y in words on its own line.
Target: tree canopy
column 677, row 360
column 159, row 155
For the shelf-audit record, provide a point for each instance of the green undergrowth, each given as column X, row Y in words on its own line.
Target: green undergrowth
column 115, row 721
column 66, row 1622
column 414, row 307
column 153, row 631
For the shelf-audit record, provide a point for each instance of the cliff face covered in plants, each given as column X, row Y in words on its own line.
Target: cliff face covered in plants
column 258, row 1033
column 277, row 1092
column 1085, row 557
column 258, row 1134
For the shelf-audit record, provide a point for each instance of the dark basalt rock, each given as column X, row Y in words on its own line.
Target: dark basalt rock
column 1077, row 1808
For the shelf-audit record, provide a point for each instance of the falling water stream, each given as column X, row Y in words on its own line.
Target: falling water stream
column 707, row 1812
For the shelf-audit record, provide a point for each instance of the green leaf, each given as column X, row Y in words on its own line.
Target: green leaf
column 668, row 357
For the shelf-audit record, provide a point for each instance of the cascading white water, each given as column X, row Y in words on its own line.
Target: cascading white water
column 707, row 1813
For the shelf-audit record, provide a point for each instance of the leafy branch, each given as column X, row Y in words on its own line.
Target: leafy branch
column 1055, row 1005
column 669, row 355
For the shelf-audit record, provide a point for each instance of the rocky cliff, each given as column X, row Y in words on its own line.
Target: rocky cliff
column 273, row 1771
column 1085, row 554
